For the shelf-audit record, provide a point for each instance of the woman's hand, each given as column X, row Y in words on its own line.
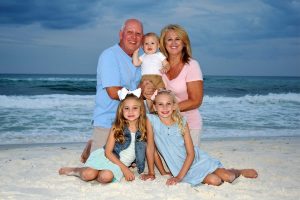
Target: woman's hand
column 145, row 177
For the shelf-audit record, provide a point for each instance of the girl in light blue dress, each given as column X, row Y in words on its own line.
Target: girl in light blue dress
column 187, row 163
column 125, row 144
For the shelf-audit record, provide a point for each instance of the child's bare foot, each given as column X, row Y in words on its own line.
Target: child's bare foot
column 249, row 173
column 133, row 165
column 66, row 170
column 86, row 152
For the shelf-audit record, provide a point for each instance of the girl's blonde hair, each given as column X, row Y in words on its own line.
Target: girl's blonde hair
column 176, row 115
column 120, row 122
column 182, row 34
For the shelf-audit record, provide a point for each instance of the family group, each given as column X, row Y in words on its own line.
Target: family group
column 147, row 109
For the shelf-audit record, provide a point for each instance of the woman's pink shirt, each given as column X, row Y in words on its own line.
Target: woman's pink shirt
column 190, row 72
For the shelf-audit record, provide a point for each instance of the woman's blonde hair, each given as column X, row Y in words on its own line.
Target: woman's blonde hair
column 120, row 122
column 176, row 115
column 182, row 34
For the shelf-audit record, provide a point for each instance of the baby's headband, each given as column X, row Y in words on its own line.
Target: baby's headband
column 124, row 92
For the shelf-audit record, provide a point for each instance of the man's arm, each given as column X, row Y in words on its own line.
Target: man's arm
column 113, row 92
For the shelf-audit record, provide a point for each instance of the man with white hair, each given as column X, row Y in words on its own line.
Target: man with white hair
column 114, row 71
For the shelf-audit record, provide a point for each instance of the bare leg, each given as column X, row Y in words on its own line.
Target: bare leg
column 105, row 176
column 86, row 151
column 85, row 173
column 225, row 175
column 247, row 173
column 229, row 175
column 212, row 179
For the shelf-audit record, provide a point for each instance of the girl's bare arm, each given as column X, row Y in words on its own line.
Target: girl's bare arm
column 129, row 176
column 150, row 153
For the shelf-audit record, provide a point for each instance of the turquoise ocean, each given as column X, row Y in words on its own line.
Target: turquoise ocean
column 59, row 108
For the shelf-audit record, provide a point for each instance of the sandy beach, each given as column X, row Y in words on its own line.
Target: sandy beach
column 30, row 172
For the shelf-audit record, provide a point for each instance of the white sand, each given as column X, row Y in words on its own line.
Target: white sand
column 30, row 172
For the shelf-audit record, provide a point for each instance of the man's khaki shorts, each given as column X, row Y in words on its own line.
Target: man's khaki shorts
column 99, row 137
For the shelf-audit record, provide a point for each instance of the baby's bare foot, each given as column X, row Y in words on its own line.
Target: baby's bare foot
column 249, row 173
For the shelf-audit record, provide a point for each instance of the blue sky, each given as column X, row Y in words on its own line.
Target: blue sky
column 257, row 37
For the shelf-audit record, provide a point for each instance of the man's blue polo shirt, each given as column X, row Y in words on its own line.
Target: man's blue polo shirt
column 114, row 68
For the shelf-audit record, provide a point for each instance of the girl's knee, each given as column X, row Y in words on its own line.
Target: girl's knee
column 212, row 179
column 225, row 175
column 105, row 176
column 88, row 174
column 228, row 176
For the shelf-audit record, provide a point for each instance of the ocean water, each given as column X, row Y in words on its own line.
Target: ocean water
column 59, row 108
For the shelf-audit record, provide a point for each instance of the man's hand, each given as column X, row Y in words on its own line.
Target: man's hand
column 147, row 89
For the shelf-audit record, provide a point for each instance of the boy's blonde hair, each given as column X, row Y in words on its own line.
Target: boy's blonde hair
column 120, row 122
column 176, row 115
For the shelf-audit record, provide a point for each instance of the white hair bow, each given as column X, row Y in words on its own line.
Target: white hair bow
column 124, row 92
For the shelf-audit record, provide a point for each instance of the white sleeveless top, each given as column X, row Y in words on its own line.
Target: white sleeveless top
column 127, row 156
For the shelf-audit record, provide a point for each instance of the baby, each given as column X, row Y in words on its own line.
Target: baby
column 153, row 62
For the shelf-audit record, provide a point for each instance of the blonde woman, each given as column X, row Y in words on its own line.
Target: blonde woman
column 184, row 77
